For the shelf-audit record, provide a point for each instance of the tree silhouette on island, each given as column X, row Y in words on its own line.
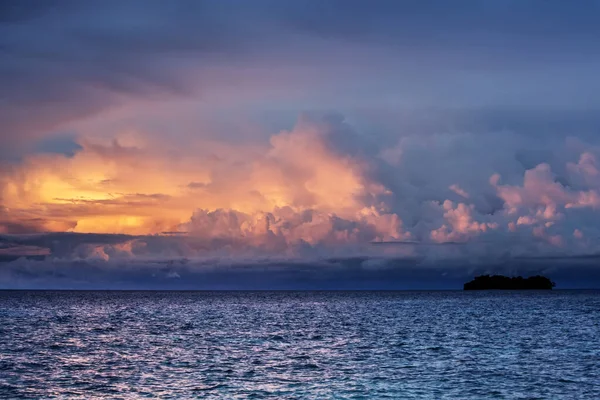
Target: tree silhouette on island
column 500, row 282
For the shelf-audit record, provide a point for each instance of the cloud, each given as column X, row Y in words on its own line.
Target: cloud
column 144, row 188
column 178, row 117
column 280, row 273
column 321, row 185
column 63, row 61
column 460, row 224
column 285, row 230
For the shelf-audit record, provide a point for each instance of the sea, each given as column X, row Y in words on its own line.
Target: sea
column 300, row 345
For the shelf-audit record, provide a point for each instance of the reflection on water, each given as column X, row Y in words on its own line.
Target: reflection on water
column 300, row 344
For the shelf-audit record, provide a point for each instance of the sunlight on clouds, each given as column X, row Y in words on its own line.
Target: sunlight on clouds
column 133, row 185
column 315, row 185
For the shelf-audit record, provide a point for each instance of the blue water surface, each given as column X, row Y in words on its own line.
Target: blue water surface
column 297, row 345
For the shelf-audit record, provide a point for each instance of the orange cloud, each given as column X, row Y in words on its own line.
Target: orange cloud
column 134, row 184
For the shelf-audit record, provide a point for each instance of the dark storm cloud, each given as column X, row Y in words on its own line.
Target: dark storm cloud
column 64, row 59
column 68, row 261
column 328, row 274
column 435, row 21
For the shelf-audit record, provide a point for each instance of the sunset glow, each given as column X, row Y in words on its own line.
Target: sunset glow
column 290, row 137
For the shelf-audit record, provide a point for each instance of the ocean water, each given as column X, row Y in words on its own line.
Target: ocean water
column 297, row 345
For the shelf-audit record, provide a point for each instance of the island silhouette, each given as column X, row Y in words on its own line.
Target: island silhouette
column 500, row 282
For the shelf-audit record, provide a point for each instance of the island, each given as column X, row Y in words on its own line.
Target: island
column 500, row 282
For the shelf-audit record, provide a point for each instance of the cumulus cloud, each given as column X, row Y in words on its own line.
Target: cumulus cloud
column 125, row 129
column 460, row 223
column 322, row 184
column 141, row 188
column 285, row 229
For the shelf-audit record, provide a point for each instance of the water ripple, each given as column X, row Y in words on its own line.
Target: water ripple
column 355, row 345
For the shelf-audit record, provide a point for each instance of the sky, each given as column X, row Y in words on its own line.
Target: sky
column 298, row 144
